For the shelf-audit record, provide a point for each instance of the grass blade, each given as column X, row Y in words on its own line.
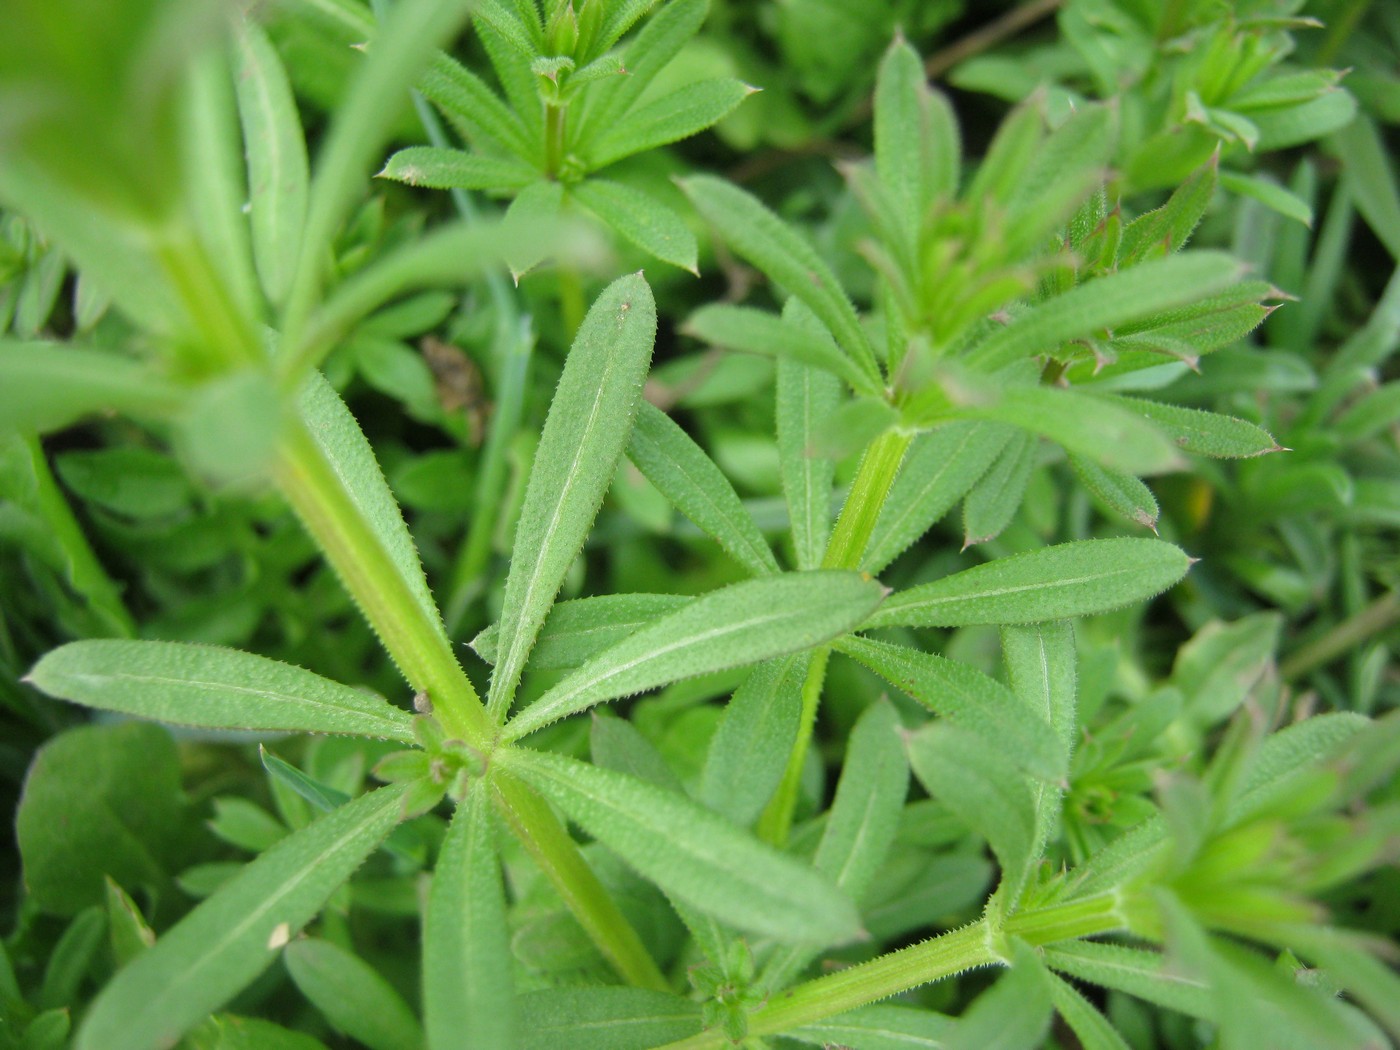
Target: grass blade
column 584, row 435
column 212, row 687
column 233, row 936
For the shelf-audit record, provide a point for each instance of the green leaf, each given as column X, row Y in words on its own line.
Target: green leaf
column 754, row 331
column 370, row 105
column 938, row 470
column 444, row 169
column 762, row 238
column 245, row 824
column 642, row 219
column 1270, row 194
column 686, row 111
column 864, row 816
column 879, row 1027
column 1082, row 578
column 476, row 110
column 749, row 750
column 45, row 386
column 1370, row 415
column 648, row 53
column 1122, row 493
column 1093, row 1030
column 996, row 498
column 668, row 458
column 576, row 630
column 690, row 853
column 277, row 166
column 977, row 779
column 605, row 1018
column 468, row 987
column 226, row 1032
column 736, row 625
column 1013, row 1015
column 1282, row 126
column 212, row 687
column 128, row 932
column 352, row 996
column 100, row 801
column 338, row 439
column 1223, row 663
column 807, row 398
column 1205, row 433
column 72, row 958
column 584, row 435
column 1371, row 176
column 229, row 939
column 1106, row 303
column 614, row 743
column 1165, row 230
column 917, row 150
column 522, row 33
column 967, row 698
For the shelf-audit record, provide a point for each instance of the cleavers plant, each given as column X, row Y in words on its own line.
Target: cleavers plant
column 1176, row 847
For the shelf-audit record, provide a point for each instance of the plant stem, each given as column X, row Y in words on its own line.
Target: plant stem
column 225, row 339
column 558, row 856
column 555, row 126
column 416, row 643
column 1351, row 632
column 878, row 469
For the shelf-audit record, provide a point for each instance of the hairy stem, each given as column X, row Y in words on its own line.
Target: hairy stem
column 418, row 646
column 559, row 858
column 878, row 469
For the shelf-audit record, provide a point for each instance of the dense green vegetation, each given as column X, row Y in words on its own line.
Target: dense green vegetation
column 629, row 523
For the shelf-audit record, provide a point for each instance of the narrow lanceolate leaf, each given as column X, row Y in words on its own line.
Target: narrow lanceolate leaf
column 938, row 470
column 807, row 399
column 584, row 435
column 1120, row 298
column 212, row 687
column 576, row 630
column 1041, row 665
column 642, row 219
column 1202, row 432
column 737, row 625
column 748, row 751
column 690, row 853
column 1121, row 492
column 44, row 386
column 869, row 801
column 881, row 1026
column 968, row 698
column 684, row 112
column 1085, row 425
column 445, row 169
column 1014, row 1014
column 646, row 55
column 686, row 476
column 468, row 991
column 1143, row 974
column 277, row 165
column 1054, row 583
column 477, row 111
column 977, row 779
column 1166, row 229
column 1093, row 1030
column 759, row 332
column 340, row 441
column 229, row 939
column 606, row 1017
column 765, row 240
column 352, row 995
column 916, row 138
column 996, row 498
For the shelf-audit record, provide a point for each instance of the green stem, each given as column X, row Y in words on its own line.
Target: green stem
column 1347, row 635
column 415, row 642
column 225, row 339
column 558, row 856
column 878, row 469
column 555, row 128
column 978, row 944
